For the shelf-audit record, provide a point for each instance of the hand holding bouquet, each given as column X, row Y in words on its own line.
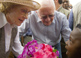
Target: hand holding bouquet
column 34, row 50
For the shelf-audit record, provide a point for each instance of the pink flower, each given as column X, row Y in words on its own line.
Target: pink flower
column 42, row 54
column 57, row 52
column 34, row 50
column 47, row 48
column 45, row 52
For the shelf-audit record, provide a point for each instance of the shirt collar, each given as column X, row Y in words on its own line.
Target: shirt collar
column 59, row 8
column 38, row 20
column 54, row 17
column 53, row 21
column 3, row 20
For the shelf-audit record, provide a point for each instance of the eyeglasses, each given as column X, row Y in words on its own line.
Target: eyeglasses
column 25, row 11
column 45, row 17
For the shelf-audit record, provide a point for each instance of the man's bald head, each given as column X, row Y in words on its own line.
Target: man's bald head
column 47, row 3
column 46, row 11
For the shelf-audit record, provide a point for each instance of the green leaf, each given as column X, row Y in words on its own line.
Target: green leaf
column 57, row 57
column 54, row 50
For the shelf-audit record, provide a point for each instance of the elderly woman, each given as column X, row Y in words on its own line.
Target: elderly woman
column 12, row 14
column 73, row 45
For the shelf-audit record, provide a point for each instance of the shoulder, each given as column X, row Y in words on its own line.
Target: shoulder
column 1, row 15
column 60, row 16
column 77, row 7
column 66, row 11
column 3, row 20
column 33, row 13
column 33, row 16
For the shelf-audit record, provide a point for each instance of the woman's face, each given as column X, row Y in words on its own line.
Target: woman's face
column 73, row 43
column 17, row 15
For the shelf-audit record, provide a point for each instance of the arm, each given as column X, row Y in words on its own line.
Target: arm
column 17, row 48
column 65, row 29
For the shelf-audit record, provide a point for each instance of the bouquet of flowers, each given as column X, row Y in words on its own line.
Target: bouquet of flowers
column 34, row 50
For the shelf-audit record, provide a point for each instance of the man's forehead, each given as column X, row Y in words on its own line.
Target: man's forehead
column 46, row 10
column 45, row 3
column 49, row 14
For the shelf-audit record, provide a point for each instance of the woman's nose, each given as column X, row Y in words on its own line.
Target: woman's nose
column 25, row 16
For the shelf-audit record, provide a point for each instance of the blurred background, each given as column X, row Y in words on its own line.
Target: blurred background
column 73, row 2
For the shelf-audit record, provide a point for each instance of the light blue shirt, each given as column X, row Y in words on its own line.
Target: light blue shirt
column 71, row 20
column 47, row 34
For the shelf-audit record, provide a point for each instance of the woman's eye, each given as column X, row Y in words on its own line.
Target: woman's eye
column 25, row 11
